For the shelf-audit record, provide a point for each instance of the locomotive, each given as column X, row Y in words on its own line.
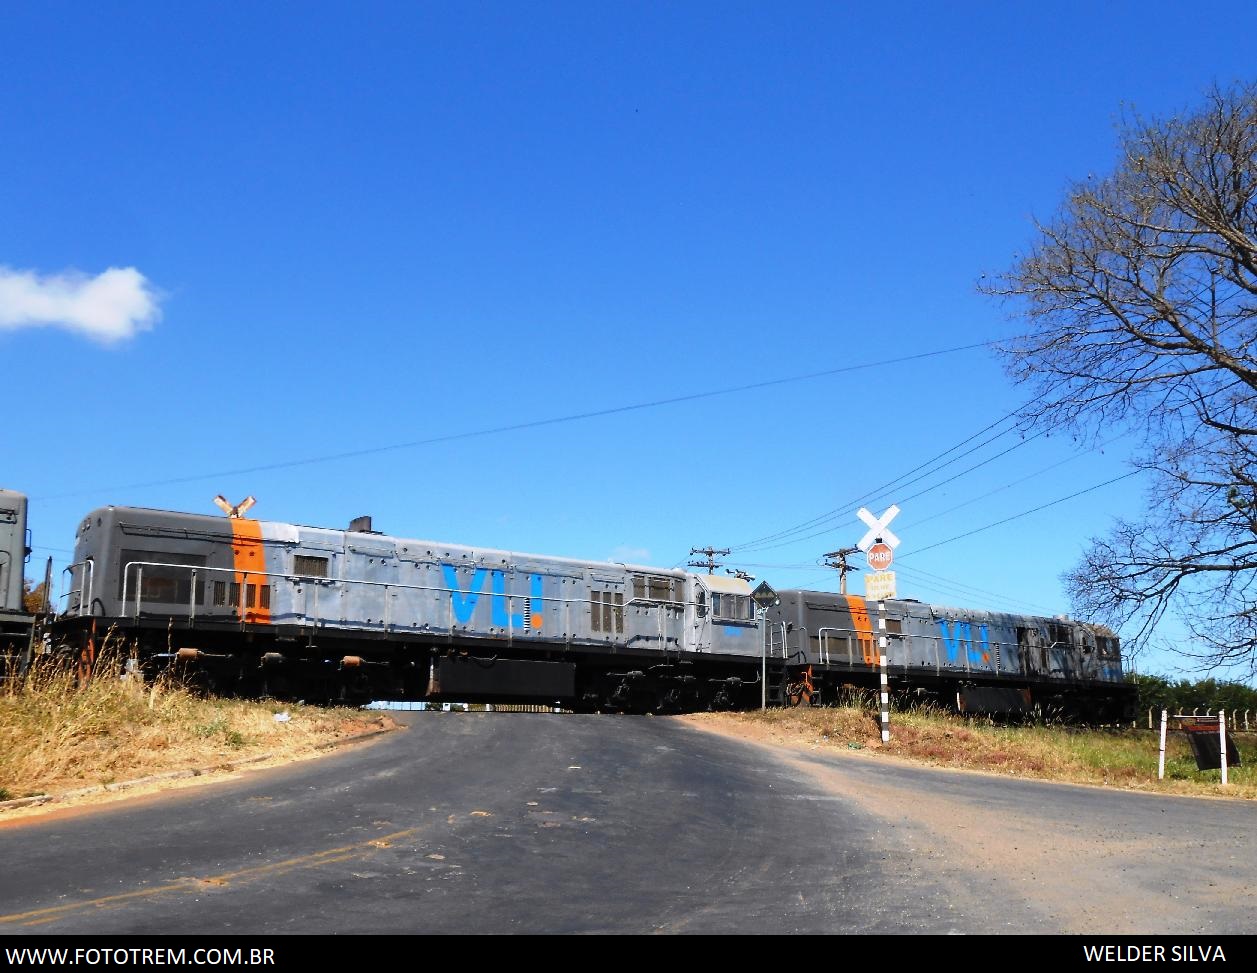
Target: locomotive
column 263, row 608
column 16, row 624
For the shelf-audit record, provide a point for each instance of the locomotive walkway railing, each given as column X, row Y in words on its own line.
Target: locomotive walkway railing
column 132, row 605
column 386, row 587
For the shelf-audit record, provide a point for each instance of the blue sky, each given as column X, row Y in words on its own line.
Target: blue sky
column 372, row 224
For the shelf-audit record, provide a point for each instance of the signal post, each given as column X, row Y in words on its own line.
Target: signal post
column 879, row 546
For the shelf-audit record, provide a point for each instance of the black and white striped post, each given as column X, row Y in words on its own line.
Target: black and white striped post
column 879, row 546
column 881, row 665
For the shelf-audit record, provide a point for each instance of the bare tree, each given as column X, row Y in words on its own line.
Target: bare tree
column 1141, row 303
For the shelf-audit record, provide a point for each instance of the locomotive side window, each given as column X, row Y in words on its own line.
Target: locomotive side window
column 1108, row 647
column 737, row 607
column 650, row 587
column 700, row 603
column 227, row 595
column 606, row 611
column 312, row 567
column 161, row 576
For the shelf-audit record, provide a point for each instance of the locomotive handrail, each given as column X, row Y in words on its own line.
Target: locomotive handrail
column 139, row 567
column 386, row 586
column 821, row 638
column 89, row 583
column 824, row 653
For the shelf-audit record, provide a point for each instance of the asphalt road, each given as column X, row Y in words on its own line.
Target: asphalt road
column 499, row 823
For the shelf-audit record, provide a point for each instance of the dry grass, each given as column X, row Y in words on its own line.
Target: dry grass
column 56, row 737
column 1118, row 758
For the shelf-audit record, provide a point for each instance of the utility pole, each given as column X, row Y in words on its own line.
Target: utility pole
column 838, row 561
column 710, row 555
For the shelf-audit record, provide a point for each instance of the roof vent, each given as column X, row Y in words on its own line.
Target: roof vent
column 361, row 525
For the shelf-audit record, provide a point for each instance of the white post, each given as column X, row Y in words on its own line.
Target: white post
column 763, row 659
column 881, row 648
column 1222, row 741
column 1161, row 757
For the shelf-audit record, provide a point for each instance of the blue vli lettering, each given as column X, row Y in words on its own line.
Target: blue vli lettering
column 463, row 601
column 963, row 637
column 517, row 620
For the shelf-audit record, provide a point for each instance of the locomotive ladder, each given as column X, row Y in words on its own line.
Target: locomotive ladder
column 775, row 648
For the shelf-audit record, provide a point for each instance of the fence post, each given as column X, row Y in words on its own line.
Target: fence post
column 1150, row 709
column 1161, row 755
column 1222, row 741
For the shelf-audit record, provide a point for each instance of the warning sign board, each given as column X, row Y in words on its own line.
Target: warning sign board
column 879, row 586
column 1206, row 744
column 765, row 596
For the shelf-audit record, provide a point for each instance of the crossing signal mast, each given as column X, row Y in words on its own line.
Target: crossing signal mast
column 710, row 554
column 838, row 560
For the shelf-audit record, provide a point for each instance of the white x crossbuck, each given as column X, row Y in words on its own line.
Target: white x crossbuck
column 877, row 527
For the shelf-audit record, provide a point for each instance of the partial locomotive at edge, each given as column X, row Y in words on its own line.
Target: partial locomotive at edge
column 263, row 608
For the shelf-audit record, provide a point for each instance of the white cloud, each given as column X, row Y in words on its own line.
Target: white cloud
column 630, row 555
column 108, row 307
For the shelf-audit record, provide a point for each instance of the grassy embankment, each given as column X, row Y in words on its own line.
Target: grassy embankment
column 56, row 737
column 1116, row 758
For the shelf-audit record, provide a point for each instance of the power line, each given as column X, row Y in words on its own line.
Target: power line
column 881, row 490
column 998, row 523
column 1025, row 513
column 845, row 508
column 516, row 427
column 976, row 466
column 962, row 590
column 999, row 489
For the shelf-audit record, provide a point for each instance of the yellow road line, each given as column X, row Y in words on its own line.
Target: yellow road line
column 343, row 853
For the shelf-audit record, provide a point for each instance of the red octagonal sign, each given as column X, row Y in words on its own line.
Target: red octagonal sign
column 880, row 557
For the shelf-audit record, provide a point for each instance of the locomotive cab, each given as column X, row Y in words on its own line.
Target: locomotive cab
column 722, row 615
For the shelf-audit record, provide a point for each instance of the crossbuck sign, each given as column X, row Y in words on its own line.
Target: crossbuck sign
column 878, row 528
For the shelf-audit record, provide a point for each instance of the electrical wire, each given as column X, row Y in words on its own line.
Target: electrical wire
column 514, row 427
column 846, row 507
